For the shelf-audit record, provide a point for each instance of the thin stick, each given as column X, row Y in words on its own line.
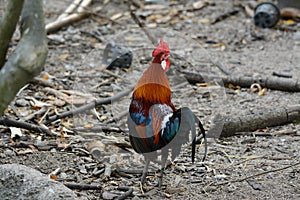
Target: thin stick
column 60, row 22
column 259, row 174
column 82, row 186
column 225, row 15
column 35, row 114
column 142, row 26
column 19, row 124
column 89, row 106
column 69, row 9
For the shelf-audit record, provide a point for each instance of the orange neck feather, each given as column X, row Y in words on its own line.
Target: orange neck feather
column 153, row 86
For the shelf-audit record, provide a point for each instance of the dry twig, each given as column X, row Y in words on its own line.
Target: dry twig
column 259, row 174
column 127, row 193
column 82, row 186
column 89, row 106
column 225, row 15
column 19, row 124
column 65, row 19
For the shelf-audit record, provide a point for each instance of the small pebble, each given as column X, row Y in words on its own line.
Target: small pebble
column 56, row 38
column 135, row 198
column 296, row 36
column 108, row 195
column 22, row 102
column 220, row 177
column 9, row 153
column 2, row 155
column 63, row 175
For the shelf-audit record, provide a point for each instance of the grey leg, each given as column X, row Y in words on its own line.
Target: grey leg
column 164, row 158
column 145, row 170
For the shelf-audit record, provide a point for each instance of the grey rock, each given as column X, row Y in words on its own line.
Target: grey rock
column 22, row 182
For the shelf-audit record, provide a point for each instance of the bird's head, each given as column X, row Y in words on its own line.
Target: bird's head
column 161, row 54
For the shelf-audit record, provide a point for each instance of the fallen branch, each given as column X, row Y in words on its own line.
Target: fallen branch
column 19, row 124
column 230, row 126
column 89, row 106
column 291, row 85
column 64, row 20
column 82, row 186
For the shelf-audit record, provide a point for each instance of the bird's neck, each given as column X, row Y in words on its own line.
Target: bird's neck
column 153, row 86
column 157, row 59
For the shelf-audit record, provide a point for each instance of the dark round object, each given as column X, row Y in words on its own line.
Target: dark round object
column 116, row 57
column 266, row 15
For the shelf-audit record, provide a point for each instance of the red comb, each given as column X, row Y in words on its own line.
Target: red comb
column 162, row 47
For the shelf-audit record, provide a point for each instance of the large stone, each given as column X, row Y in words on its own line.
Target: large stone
column 22, row 182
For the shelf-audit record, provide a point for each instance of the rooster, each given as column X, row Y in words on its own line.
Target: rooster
column 153, row 121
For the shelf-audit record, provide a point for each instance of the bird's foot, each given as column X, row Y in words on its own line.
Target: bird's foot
column 144, row 187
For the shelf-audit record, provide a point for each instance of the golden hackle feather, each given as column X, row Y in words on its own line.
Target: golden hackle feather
column 153, row 86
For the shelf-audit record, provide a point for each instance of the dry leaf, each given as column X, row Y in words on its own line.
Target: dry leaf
column 26, row 151
column 53, row 176
column 58, row 102
column 255, row 87
column 64, row 135
column 15, row 132
column 202, row 84
column 116, row 16
column 199, row 4
column 64, row 56
column 62, row 145
column 37, row 104
column 289, row 22
column 220, row 44
column 46, row 77
column 262, row 92
column 249, row 11
column 156, row 7
column 204, row 21
column 88, row 126
column 104, row 117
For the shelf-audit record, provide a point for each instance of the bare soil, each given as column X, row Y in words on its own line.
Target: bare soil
column 246, row 166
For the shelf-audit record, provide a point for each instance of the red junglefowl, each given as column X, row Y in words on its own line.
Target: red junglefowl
column 155, row 125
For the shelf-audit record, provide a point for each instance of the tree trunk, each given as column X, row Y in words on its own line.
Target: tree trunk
column 29, row 57
column 8, row 25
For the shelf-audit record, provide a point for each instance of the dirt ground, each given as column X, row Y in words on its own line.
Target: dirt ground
column 259, row 165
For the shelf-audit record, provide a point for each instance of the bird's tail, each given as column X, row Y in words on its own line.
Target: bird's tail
column 188, row 122
column 201, row 130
